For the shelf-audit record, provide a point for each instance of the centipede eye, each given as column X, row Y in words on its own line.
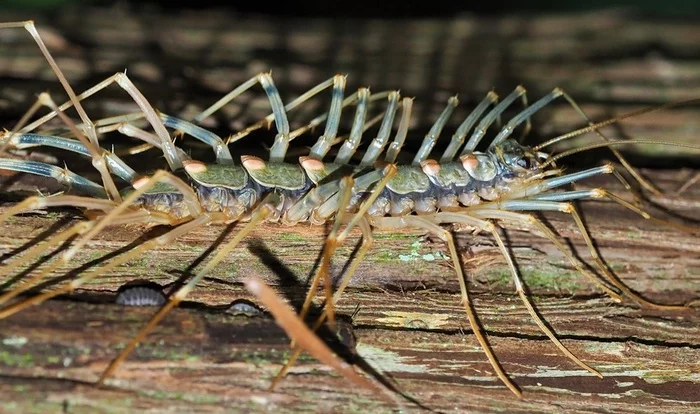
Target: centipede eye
column 523, row 163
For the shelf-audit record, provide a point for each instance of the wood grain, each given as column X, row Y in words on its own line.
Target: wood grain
column 410, row 326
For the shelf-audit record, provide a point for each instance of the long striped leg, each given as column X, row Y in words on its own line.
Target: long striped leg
column 332, row 241
column 540, row 205
column 336, row 205
column 91, row 142
column 688, row 184
column 464, row 128
column 337, row 82
column 302, row 335
column 61, row 175
column 115, row 165
column 434, row 133
column 423, row 223
column 519, row 285
column 524, row 116
column 33, row 203
column 366, row 244
column 395, row 147
column 279, row 148
column 347, row 150
column 332, row 119
column 377, row 145
column 161, row 139
column 93, row 150
column 532, row 221
column 140, row 216
column 141, row 187
column 346, row 184
column 490, row 117
column 35, row 252
column 259, row 214
column 113, row 216
column 538, row 188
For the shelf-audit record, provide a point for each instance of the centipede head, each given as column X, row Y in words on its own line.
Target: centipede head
column 519, row 158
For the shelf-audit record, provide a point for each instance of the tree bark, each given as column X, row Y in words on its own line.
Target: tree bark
column 409, row 326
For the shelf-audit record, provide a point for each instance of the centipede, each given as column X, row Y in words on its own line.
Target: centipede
column 479, row 182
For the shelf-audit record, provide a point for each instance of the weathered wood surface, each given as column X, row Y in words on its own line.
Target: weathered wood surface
column 610, row 61
column 410, row 325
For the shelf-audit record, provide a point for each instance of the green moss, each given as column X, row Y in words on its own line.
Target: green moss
column 387, row 235
column 53, row 359
column 543, row 278
column 385, row 257
column 16, row 360
column 294, row 237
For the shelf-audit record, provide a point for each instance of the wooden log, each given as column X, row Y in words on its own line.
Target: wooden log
column 410, row 325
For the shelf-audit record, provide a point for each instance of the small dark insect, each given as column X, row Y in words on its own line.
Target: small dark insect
column 243, row 307
column 140, row 296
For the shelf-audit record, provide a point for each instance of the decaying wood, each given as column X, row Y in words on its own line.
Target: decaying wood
column 410, row 326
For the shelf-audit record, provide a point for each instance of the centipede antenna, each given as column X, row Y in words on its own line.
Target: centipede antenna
column 598, row 125
column 559, row 156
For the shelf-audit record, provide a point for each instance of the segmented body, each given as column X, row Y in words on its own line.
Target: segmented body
column 414, row 189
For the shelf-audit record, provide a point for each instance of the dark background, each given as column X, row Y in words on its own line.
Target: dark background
column 612, row 57
column 388, row 9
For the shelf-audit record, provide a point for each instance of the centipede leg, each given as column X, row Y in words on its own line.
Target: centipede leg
column 532, row 221
column 519, row 285
column 464, row 128
column 330, row 244
column 338, row 84
column 367, row 241
column 91, row 141
column 258, row 215
column 22, row 121
column 633, row 172
column 434, row 133
column 306, row 338
column 687, row 185
column 360, row 220
column 524, row 116
column 379, row 142
column 328, row 139
column 490, row 117
column 141, row 216
column 395, row 147
column 113, row 216
column 142, row 186
column 539, row 205
column 350, row 145
column 35, row 252
column 423, row 223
